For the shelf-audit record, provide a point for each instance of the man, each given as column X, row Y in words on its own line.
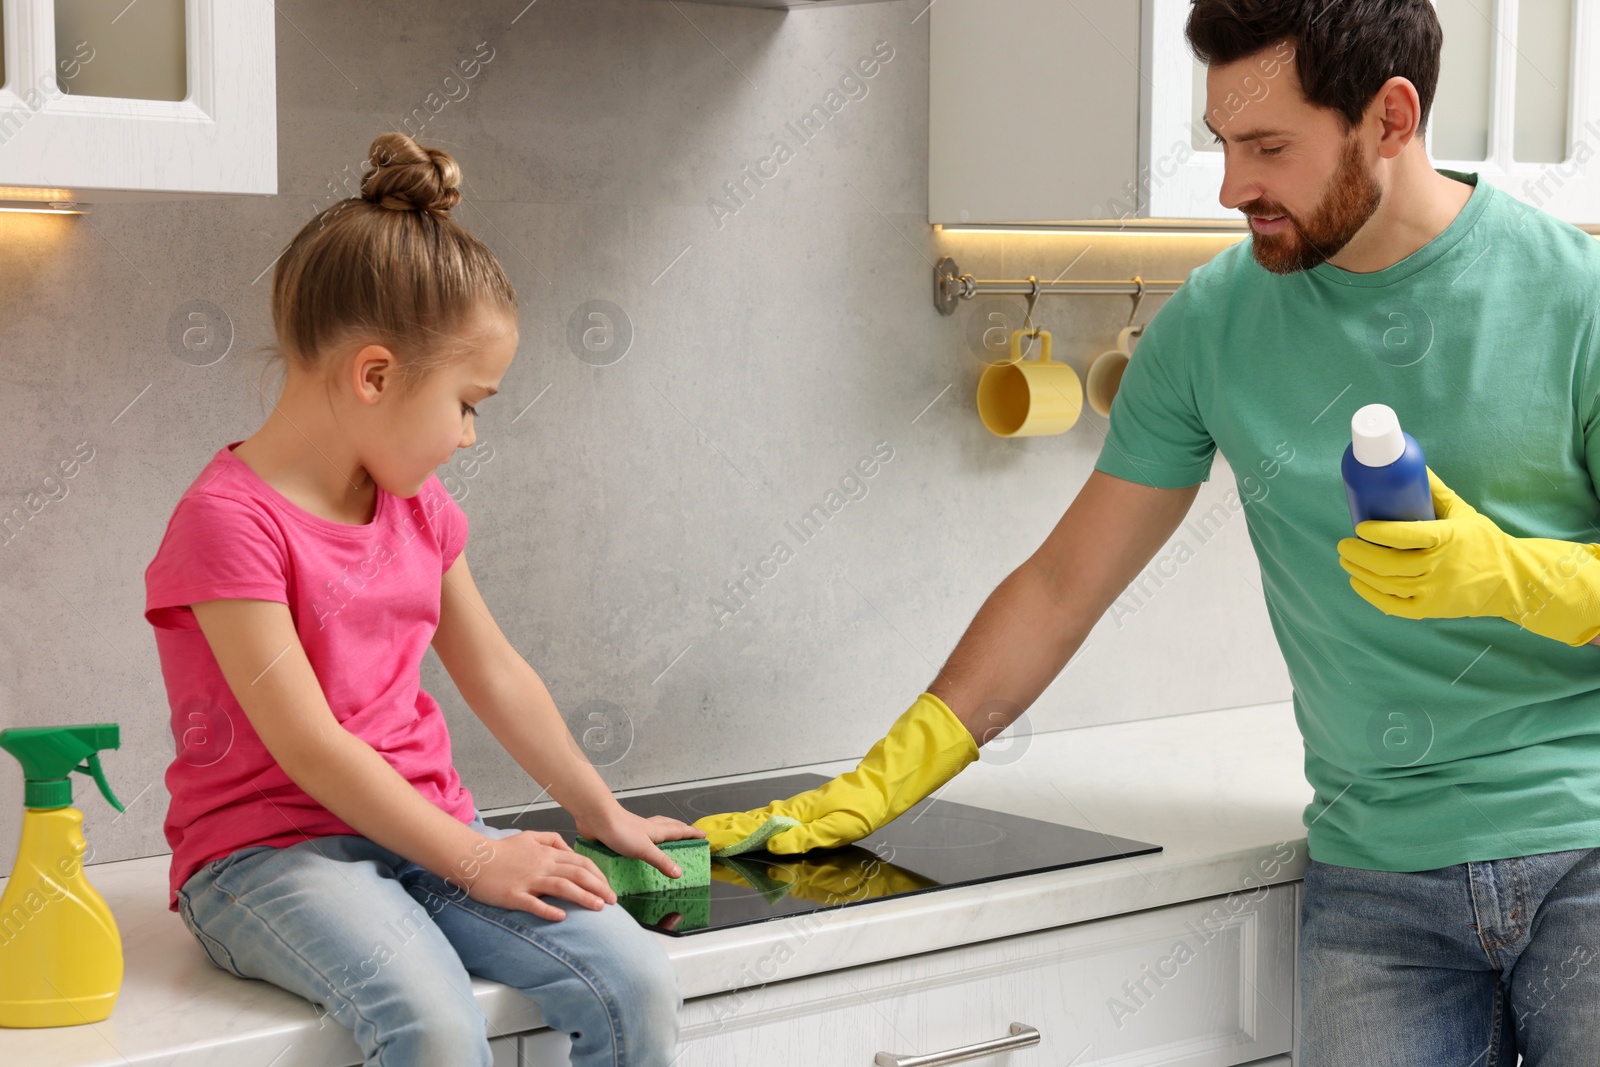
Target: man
column 1442, row 681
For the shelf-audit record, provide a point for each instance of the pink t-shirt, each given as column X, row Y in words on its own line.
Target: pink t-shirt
column 365, row 603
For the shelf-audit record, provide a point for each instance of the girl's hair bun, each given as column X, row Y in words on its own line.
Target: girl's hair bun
column 404, row 176
column 389, row 267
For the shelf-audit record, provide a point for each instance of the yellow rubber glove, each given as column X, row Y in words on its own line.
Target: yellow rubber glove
column 923, row 750
column 836, row 878
column 1462, row 564
column 831, row 881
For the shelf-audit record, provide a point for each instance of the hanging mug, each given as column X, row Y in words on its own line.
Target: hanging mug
column 1105, row 373
column 1030, row 398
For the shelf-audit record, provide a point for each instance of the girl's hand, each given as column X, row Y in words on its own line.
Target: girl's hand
column 633, row 835
column 535, row 863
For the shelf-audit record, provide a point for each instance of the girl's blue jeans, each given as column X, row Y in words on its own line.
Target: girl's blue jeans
column 1464, row 965
column 385, row 947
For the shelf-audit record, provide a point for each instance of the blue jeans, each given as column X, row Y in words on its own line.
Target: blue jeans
column 1466, row 965
column 385, row 947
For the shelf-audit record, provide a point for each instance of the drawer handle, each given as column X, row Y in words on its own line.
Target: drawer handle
column 1022, row 1036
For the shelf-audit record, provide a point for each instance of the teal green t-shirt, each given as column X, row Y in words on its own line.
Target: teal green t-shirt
column 1428, row 742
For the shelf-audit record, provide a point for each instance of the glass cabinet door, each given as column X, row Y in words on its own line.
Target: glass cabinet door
column 1200, row 139
column 1544, row 80
column 1459, row 124
column 1515, row 106
column 134, row 51
column 1506, row 88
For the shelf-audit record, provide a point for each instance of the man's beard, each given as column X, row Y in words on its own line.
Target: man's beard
column 1353, row 196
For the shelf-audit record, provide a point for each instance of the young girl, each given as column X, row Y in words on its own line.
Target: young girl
column 321, row 839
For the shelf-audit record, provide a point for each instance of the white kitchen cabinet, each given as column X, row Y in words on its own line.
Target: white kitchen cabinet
column 1209, row 983
column 1519, row 100
column 1092, row 113
column 106, row 100
column 1082, row 114
column 1203, row 984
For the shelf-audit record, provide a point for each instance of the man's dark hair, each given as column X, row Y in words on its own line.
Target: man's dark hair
column 1344, row 49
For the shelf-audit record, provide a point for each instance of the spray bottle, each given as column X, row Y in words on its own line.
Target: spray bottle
column 1385, row 476
column 60, row 953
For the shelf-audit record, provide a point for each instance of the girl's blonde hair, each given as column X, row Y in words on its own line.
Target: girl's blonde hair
column 390, row 265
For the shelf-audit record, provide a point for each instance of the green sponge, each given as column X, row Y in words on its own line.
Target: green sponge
column 758, row 837
column 754, row 874
column 692, row 906
column 628, row 875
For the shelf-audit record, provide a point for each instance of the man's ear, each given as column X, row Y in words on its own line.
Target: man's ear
column 372, row 372
column 1398, row 111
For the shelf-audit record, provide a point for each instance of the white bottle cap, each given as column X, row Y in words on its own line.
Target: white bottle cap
column 1375, row 436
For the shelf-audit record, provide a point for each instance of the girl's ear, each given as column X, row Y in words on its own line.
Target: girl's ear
column 373, row 372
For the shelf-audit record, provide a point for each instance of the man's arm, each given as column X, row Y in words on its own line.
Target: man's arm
column 1021, row 638
column 1034, row 621
column 1461, row 564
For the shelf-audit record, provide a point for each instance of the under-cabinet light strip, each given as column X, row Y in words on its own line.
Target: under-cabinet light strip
column 45, row 207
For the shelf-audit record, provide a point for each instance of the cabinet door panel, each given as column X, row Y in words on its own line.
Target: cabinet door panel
column 1544, row 81
column 1178, row 180
column 545, row 1048
column 504, row 1050
column 1207, row 984
column 1459, row 125
column 1033, row 110
column 140, row 51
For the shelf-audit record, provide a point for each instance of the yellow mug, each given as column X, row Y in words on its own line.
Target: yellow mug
column 1029, row 399
column 1105, row 373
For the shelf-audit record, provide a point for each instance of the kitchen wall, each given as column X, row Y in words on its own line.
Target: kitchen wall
column 762, row 347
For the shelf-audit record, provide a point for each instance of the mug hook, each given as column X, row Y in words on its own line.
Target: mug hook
column 1138, row 298
column 1033, row 298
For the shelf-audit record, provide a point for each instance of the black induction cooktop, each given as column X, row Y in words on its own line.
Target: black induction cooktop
column 936, row 844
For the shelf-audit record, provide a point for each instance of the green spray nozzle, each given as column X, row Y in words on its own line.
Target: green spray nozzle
column 49, row 754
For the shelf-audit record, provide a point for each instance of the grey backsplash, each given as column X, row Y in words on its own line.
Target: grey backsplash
column 772, row 348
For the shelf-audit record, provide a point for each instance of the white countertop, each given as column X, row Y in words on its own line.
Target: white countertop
column 1220, row 790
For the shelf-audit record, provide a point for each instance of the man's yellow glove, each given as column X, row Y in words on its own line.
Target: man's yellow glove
column 923, row 750
column 1462, row 564
column 832, row 879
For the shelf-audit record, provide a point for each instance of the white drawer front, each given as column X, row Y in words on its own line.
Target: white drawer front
column 545, row 1048
column 1204, row 984
column 505, row 1051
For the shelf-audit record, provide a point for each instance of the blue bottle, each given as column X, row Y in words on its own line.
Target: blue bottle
column 1385, row 476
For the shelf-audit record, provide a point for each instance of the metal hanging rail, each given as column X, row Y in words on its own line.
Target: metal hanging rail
column 951, row 286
